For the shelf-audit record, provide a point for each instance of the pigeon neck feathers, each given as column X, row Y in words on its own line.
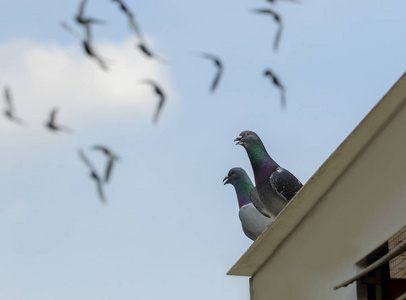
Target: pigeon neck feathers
column 262, row 164
column 243, row 191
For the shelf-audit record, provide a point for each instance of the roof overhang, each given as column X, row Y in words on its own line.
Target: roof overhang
column 320, row 183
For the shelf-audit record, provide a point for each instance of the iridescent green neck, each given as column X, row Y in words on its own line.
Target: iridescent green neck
column 262, row 164
column 243, row 190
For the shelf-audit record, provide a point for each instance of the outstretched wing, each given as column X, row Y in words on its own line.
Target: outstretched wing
column 217, row 78
column 284, row 183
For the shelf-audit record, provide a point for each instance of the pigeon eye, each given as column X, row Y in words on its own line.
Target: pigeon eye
column 232, row 173
column 248, row 133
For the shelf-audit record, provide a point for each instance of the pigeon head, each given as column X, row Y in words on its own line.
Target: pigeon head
column 248, row 138
column 235, row 176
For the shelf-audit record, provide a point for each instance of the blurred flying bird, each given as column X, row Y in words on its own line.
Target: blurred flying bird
column 252, row 221
column 276, row 186
column 144, row 49
column 130, row 16
column 83, row 20
column 93, row 175
column 219, row 66
column 9, row 111
column 278, row 84
column 89, row 51
column 161, row 95
column 111, row 158
column 278, row 19
column 51, row 125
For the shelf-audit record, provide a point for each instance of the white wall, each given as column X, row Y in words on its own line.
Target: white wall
column 364, row 207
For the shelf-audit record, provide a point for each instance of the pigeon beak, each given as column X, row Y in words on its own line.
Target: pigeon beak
column 225, row 180
column 238, row 140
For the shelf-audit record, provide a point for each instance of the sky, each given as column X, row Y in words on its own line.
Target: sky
column 170, row 228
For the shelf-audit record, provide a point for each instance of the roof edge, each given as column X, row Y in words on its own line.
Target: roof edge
column 322, row 180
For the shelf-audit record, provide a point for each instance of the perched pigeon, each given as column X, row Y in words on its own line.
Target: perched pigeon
column 161, row 95
column 111, row 156
column 219, row 66
column 9, row 111
column 277, row 83
column 276, row 186
column 93, row 174
column 278, row 19
column 252, row 221
column 51, row 123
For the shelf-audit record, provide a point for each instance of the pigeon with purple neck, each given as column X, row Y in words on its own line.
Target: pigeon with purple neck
column 276, row 186
column 252, row 221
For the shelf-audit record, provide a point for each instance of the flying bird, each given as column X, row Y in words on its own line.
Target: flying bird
column 161, row 95
column 84, row 20
column 252, row 221
column 91, row 53
column 111, row 159
column 278, row 19
column 131, row 18
column 144, row 49
column 51, row 125
column 277, row 83
column 276, row 186
column 9, row 111
column 219, row 65
column 93, row 175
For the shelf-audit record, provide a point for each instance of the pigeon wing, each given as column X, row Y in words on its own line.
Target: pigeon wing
column 284, row 183
column 254, row 196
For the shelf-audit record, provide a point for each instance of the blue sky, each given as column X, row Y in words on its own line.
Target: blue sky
column 170, row 228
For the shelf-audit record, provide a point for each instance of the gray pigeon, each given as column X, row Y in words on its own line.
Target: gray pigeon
column 276, row 185
column 252, row 221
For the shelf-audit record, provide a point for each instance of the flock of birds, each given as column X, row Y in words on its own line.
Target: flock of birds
column 275, row 186
column 87, row 43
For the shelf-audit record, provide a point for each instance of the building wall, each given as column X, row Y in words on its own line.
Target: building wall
column 362, row 209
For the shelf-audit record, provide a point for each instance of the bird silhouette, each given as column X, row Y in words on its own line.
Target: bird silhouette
column 144, row 49
column 131, row 18
column 9, row 111
column 94, row 175
column 92, row 54
column 277, row 83
column 51, row 125
column 161, row 95
column 219, row 66
column 278, row 19
column 84, row 20
column 111, row 158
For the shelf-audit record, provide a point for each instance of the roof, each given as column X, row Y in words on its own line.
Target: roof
column 320, row 183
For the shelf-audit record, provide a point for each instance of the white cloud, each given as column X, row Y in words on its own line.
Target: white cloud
column 43, row 76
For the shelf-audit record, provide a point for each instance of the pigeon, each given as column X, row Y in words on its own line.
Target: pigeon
column 90, row 51
column 161, row 95
column 131, row 19
column 276, row 186
column 144, row 49
column 278, row 84
column 278, row 19
column 94, row 175
column 252, row 221
column 219, row 66
column 54, row 127
column 111, row 156
column 9, row 111
column 83, row 20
